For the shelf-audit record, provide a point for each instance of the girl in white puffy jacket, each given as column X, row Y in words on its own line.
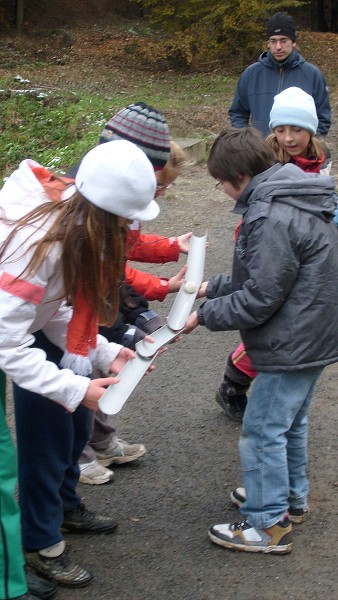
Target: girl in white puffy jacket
column 61, row 258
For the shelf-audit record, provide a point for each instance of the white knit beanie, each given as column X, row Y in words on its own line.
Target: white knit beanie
column 119, row 178
column 295, row 107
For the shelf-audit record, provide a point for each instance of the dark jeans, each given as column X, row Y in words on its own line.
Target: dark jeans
column 50, row 441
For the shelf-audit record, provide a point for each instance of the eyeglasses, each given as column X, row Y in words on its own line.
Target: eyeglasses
column 217, row 186
column 282, row 42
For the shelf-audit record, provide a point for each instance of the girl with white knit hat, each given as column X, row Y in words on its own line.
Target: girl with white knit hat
column 294, row 122
column 62, row 255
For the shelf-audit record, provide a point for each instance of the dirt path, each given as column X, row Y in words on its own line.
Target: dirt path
column 166, row 503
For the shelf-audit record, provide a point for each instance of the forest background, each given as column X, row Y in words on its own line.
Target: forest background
column 66, row 67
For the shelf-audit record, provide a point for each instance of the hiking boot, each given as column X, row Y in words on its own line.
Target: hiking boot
column 231, row 395
column 94, row 473
column 38, row 586
column 120, row 452
column 233, row 406
column 60, row 569
column 296, row 515
column 245, row 538
column 82, row 520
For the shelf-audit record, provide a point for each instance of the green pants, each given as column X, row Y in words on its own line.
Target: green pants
column 12, row 576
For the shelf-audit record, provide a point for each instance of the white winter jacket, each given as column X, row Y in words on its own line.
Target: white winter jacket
column 36, row 303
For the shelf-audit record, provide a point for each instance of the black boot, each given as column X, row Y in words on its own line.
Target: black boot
column 38, row 586
column 231, row 395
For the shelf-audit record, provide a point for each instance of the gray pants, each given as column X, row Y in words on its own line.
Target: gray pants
column 102, row 434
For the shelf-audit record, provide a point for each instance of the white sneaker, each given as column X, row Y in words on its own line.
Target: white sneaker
column 120, row 452
column 94, row 473
column 245, row 537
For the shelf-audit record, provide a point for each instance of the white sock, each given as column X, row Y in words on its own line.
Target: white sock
column 53, row 551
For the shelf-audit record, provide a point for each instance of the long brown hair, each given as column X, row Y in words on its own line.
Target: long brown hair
column 92, row 251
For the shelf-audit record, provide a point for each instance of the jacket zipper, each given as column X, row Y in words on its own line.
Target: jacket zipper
column 281, row 79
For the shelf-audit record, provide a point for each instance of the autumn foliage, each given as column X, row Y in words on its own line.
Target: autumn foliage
column 200, row 30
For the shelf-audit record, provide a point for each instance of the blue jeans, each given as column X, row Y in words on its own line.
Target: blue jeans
column 273, row 445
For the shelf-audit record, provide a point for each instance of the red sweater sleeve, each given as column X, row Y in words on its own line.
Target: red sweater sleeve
column 145, row 247
column 149, row 286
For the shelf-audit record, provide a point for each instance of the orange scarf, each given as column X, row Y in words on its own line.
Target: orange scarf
column 83, row 326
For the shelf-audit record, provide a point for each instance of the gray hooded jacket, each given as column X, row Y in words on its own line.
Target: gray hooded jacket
column 283, row 292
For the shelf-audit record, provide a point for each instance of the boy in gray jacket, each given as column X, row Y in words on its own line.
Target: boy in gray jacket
column 282, row 296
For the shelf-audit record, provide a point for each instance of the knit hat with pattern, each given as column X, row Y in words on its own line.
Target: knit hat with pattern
column 144, row 126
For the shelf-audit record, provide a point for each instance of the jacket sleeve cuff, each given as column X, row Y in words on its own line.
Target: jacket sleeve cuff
column 200, row 316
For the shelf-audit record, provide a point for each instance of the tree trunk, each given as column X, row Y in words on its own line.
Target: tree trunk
column 19, row 14
column 334, row 16
column 322, row 24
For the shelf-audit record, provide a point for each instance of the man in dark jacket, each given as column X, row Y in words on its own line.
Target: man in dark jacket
column 277, row 69
column 282, row 297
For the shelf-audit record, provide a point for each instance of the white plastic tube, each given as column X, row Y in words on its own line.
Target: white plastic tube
column 116, row 395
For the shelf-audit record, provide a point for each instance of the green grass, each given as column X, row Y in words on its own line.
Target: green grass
column 59, row 128
column 56, row 131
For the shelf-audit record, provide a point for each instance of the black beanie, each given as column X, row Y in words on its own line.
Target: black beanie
column 282, row 24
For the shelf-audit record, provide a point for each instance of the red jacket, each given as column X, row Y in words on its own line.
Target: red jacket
column 144, row 247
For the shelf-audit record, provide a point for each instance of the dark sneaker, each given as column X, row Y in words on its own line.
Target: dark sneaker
column 296, row 515
column 82, row 520
column 233, row 406
column 38, row 586
column 231, row 395
column 244, row 537
column 61, row 569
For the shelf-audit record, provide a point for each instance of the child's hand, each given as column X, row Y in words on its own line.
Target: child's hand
column 191, row 323
column 95, row 391
column 176, row 281
column 184, row 243
column 121, row 360
column 203, row 289
column 148, row 338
